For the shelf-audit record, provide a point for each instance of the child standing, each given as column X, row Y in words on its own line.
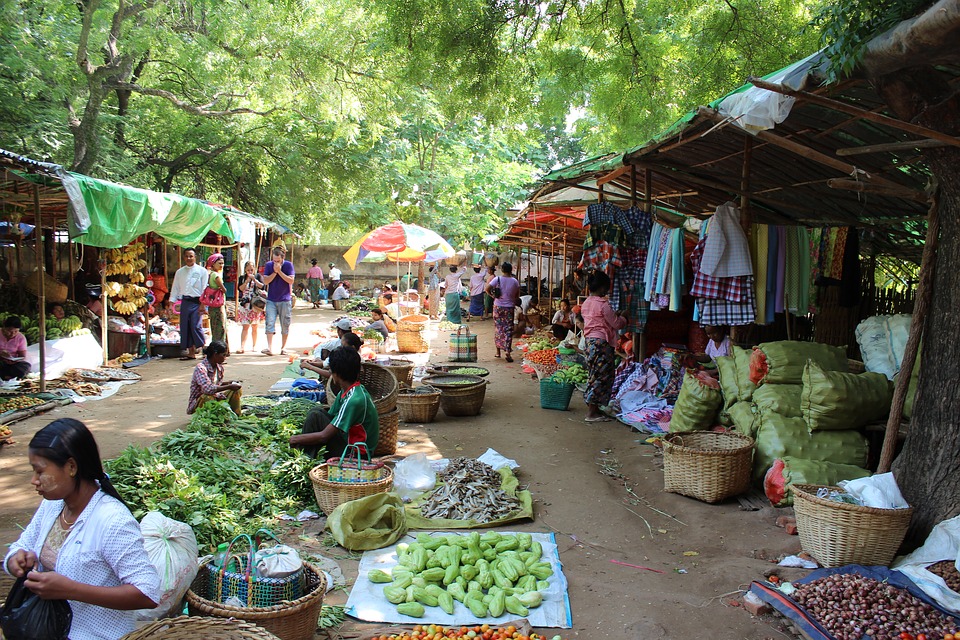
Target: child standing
column 600, row 325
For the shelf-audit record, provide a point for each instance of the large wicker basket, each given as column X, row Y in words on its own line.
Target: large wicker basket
column 387, row 442
column 418, row 407
column 331, row 495
column 707, row 466
column 296, row 620
column 837, row 533
column 411, row 341
column 464, row 400
column 380, row 384
column 414, row 322
column 192, row 627
column 402, row 370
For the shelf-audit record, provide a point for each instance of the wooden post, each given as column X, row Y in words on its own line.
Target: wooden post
column 102, row 266
column 563, row 279
column 922, row 304
column 42, row 302
column 640, row 341
column 73, row 271
column 146, row 307
column 633, row 185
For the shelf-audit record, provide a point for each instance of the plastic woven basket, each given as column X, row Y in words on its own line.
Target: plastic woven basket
column 387, row 442
column 192, row 627
column 294, row 620
column 706, row 465
column 837, row 533
column 253, row 591
column 555, row 395
column 418, row 407
column 331, row 494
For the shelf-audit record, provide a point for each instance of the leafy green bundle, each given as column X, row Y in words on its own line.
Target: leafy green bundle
column 222, row 474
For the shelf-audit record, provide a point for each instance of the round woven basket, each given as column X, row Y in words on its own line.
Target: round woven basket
column 414, row 322
column 707, row 466
column 411, row 341
column 418, row 407
column 463, row 400
column 444, row 381
column 483, row 372
column 837, row 533
column 387, row 442
column 192, row 627
column 380, row 384
column 295, row 620
column 402, row 370
column 331, row 494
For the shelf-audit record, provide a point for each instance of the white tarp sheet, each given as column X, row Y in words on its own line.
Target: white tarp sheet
column 79, row 352
column 368, row 603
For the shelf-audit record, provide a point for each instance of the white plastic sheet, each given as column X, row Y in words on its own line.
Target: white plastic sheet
column 368, row 603
column 943, row 543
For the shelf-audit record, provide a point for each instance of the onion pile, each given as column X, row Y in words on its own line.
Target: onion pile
column 851, row 606
column 948, row 572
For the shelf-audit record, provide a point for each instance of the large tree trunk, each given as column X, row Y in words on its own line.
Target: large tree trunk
column 926, row 469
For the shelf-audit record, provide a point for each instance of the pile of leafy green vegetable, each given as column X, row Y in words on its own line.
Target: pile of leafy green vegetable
column 222, row 474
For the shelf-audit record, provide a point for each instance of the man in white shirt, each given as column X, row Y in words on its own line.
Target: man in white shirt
column 334, row 275
column 188, row 285
column 477, row 283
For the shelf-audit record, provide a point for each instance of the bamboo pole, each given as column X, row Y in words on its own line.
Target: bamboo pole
column 102, row 266
column 42, row 302
column 924, row 292
column 73, row 272
column 146, row 307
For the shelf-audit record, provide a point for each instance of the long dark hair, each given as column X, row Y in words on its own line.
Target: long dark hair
column 68, row 438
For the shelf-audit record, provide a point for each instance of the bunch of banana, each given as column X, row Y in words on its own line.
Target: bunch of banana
column 125, row 308
column 114, row 289
column 126, row 357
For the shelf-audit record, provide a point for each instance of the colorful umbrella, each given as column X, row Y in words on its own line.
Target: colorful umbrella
column 398, row 242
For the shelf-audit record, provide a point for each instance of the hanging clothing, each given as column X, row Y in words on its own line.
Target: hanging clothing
column 718, row 312
column 772, row 265
column 759, row 247
column 727, row 252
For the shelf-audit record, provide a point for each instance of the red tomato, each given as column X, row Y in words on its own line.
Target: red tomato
column 921, row 636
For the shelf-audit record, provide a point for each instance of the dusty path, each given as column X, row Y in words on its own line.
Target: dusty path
column 578, row 473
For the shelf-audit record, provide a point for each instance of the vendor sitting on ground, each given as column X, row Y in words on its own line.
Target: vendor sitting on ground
column 352, row 418
column 13, row 350
column 208, row 384
column 348, row 339
column 377, row 322
column 719, row 344
column 56, row 310
column 322, row 350
column 342, row 292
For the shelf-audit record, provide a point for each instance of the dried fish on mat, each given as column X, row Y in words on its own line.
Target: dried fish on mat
column 470, row 491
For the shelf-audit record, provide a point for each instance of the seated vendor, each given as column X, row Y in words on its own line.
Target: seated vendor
column 208, row 384
column 342, row 292
column 322, row 350
column 13, row 350
column 377, row 323
column 348, row 339
column 352, row 417
column 56, row 310
column 718, row 345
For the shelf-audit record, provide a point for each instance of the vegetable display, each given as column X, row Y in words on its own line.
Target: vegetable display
column 470, row 491
column 946, row 570
column 543, row 356
column 483, row 632
column 852, row 607
column 468, row 371
column 221, row 474
column 18, row 402
column 574, row 374
column 5, row 431
column 491, row 575
column 70, row 326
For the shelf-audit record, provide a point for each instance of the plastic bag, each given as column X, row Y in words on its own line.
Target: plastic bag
column 882, row 340
column 832, row 400
column 697, row 405
column 172, row 549
column 26, row 616
column 943, row 543
column 744, row 419
column 414, row 475
column 279, row 561
column 879, row 491
column 373, row 522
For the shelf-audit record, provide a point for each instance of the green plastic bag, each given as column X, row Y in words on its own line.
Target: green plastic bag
column 745, row 386
column 778, row 437
column 727, row 366
column 373, row 522
column 788, row 471
column 779, row 398
column 744, row 419
column 696, row 407
column 783, row 362
column 833, row 401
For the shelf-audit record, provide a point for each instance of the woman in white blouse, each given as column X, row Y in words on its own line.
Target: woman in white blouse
column 83, row 544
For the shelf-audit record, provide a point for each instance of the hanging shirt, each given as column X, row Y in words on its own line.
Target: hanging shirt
column 727, row 252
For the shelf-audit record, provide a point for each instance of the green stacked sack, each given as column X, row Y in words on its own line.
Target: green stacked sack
column 786, row 359
column 832, row 400
column 727, row 367
column 779, row 398
column 743, row 418
column 745, row 387
column 778, row 436
column 696, row 407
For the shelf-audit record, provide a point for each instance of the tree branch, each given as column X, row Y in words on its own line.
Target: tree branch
column 186, row 106
column 87, row 9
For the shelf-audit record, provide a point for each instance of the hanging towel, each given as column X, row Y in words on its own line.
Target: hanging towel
column 676, row 277
column 727, row 252
column 781, row 266
column 760, row 241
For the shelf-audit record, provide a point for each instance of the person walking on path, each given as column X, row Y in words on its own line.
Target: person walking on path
column 477, row 284
column 490, row 274
column 188, row 285
column 335, row 275
column 600, row 325
column 278, row 275
column 505, row 291
column 453, row 288
column 433, row 293
column 217, row 315
column 248, row 314
column 315, row 282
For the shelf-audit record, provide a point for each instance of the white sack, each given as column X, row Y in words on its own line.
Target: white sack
column 172, row 549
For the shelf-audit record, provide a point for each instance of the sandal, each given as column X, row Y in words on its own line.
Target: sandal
column 508, row 358
column 599, row 419
column 267, row 352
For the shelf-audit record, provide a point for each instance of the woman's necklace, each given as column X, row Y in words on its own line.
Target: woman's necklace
column 66, row 523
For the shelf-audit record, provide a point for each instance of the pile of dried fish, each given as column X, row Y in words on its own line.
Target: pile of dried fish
column 470, row 491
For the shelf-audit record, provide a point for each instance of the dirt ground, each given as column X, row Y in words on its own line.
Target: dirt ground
column 599, row 487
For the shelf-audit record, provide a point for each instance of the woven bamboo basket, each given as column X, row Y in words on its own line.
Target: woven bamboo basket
column 295, row 620
column 707, row 466
column 418, row 407
column 837, row 533
column 331, row 494
column 410, row 341
column 483, row 372
column 380, row 384
column 413, row 322
column 464, row 400
column 192, row 627
column 387, row 443
column 402, row 370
